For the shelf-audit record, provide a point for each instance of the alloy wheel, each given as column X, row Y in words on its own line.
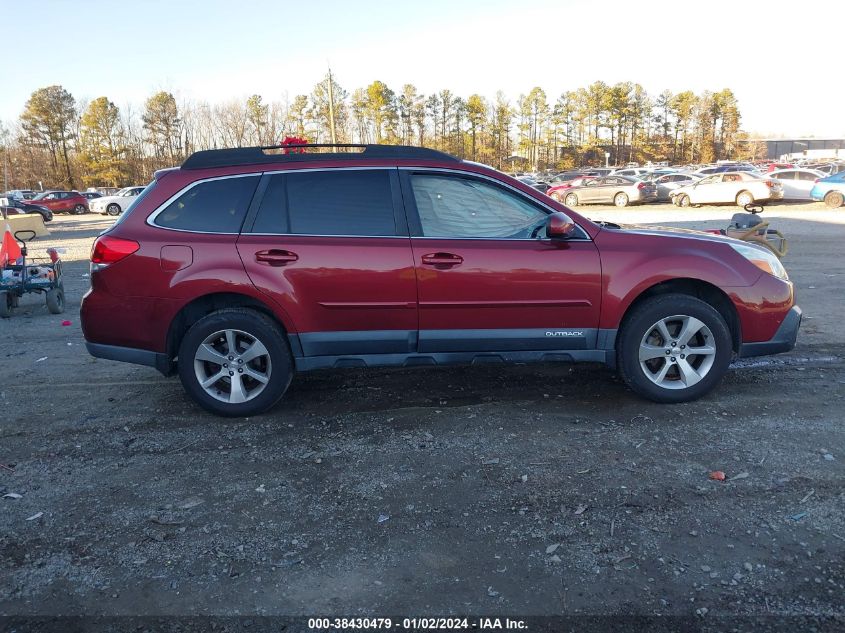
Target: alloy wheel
column 677, row 352
column 232, row 366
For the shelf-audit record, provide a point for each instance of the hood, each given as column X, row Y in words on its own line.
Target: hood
column 665, row 231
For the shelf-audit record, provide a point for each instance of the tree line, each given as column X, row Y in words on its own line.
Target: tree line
column 63, row 142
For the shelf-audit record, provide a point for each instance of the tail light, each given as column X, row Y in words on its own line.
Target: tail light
column 641, row 185
column 108, row 250
column 817, row 180
column 770, row 183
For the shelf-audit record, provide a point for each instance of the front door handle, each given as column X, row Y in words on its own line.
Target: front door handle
column 276, row 257
column 444, row 260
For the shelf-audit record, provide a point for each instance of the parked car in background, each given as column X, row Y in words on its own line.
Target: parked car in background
column 91, row 195
column 23, row 206
column 116, row 204
column 667, row 184
column 779, row 166
column 63, row 202
column 636, row 172
column 830, row 189
column 797, row 183
column 21, row 194
column 241, row 268
column 738, row 187
column 558, row 191
column 618, row 190
column 539, row 185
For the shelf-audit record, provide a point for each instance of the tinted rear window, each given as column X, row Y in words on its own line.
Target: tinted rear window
column 343, row 202
column 215, row 206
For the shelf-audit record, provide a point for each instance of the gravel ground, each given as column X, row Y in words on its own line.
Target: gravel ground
column 529, row 490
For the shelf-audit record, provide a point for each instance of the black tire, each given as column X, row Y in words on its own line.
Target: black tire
column 260, row 327
column 640, row 322
column 571, row 200
column 834, row 199
column 56, row 300
column 621, row 199
column 113, row 209
column 682, row 200
column 5, row 305
column 79, row 209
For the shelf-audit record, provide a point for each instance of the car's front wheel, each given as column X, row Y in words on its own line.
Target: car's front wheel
column 682, row 200
column 620, row 200
column 113, row 209
column 673, row 348
column 235, row 362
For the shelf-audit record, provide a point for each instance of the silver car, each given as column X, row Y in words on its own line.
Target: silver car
column 797, row 183
column 668, row 183
column 618, row 190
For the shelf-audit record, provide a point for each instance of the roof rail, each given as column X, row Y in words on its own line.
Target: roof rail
column 257, row 155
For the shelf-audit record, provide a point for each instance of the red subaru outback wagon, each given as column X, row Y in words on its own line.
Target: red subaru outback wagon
column 246, row 265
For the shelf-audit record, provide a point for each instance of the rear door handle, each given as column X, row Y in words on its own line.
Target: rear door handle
column 442, row 259
column 276, row 257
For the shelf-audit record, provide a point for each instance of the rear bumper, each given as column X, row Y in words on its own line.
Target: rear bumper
column 783, row 340
column 131, row 355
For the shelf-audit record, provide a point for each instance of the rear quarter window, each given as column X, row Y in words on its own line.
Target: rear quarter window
column 213, row 206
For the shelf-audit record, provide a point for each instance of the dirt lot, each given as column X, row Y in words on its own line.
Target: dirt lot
column 524, row 490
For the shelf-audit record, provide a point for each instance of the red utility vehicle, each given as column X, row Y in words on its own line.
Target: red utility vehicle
column 244, row 266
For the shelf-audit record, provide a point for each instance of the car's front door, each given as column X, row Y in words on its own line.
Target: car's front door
column 591, row 191
column 707, row 189
column 488, row 278
column 331, row 247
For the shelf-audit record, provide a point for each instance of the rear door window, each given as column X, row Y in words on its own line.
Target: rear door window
column 354, row 202
column 214, row 206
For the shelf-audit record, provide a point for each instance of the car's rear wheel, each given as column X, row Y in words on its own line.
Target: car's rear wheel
column 743, row 198
column 113, row 209
column 79, row 209
column 620, row 199
column 834, row 199
column 571, row 200
column 235, row 362
column 682, row 200
column 674, row 348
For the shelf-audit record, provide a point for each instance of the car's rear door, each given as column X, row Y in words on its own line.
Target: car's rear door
column 331, row 247
column 484, row 283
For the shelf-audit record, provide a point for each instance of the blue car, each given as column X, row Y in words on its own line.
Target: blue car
column 830, row 189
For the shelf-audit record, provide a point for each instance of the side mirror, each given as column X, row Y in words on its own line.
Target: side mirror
column 559, row 226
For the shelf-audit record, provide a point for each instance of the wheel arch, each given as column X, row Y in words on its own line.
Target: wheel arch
column 699, row 289
column 204, row 305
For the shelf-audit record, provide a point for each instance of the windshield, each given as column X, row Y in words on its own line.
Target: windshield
column 41, row 196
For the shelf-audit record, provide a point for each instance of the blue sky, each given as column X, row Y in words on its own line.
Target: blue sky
column 773, row 54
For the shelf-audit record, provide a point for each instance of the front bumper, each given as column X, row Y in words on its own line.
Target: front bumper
column 783, row 340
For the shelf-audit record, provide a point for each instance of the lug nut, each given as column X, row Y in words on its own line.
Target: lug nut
column 240, row 371
column 673, row 359
column 683, row 355
column 240, row 361
column 227, row 364
column 667, row 352
column 231, row 358
column 231, row 373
